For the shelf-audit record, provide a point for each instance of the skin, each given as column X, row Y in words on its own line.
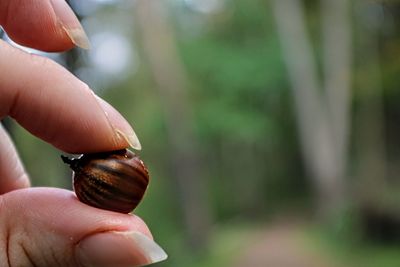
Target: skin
column 44, row 226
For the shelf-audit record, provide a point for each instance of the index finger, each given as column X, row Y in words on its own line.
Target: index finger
column 54, row 105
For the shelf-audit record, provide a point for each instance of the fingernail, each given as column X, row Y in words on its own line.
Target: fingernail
column 131, row 139
column 120, row 126
column 70, row 23
column 119, row 249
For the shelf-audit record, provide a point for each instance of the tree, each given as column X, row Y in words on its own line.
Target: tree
column 323, row 118
column 171, row 80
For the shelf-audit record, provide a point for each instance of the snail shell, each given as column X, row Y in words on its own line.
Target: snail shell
column 113, row 180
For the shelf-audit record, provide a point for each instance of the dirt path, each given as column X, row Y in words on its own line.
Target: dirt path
column 281, row 246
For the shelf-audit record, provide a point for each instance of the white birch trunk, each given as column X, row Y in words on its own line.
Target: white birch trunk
column 160, row 48
column 322, row 115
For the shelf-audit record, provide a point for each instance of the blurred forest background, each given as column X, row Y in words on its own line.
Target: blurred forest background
column 270, row 128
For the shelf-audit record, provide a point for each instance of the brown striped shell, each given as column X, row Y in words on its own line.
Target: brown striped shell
column 113, row 180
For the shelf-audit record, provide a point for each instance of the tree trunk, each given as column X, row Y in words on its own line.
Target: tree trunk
column 370, row 143
column 322, row 118
column 336, row 32
column 162, row 55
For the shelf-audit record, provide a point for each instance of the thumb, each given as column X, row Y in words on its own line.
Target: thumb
column 118, row 249
column 50, row 227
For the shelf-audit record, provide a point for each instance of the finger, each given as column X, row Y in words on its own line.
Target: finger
column 12, row 172
column 57, row 107
column 48, row 25
column 58, row 230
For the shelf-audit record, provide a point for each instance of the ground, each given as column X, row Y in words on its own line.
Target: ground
column 282, row 245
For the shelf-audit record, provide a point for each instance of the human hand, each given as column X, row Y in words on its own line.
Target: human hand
column 49, row 226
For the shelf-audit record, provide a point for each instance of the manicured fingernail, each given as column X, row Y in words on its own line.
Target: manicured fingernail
column 70, row 23
column 120, row 126
column 122, row 249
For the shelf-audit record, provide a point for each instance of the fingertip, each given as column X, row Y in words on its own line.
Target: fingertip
column 45, row 25
column 70, row 24
column 121, row 127
column 119, row 249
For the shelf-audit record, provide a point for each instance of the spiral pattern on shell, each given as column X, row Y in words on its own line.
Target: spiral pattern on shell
column 113, row 181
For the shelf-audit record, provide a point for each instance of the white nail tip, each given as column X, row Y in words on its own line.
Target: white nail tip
column 150, row 249
column 78, row 37
column 131, row 139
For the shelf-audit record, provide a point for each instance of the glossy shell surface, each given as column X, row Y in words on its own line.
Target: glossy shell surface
column 113, row 181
